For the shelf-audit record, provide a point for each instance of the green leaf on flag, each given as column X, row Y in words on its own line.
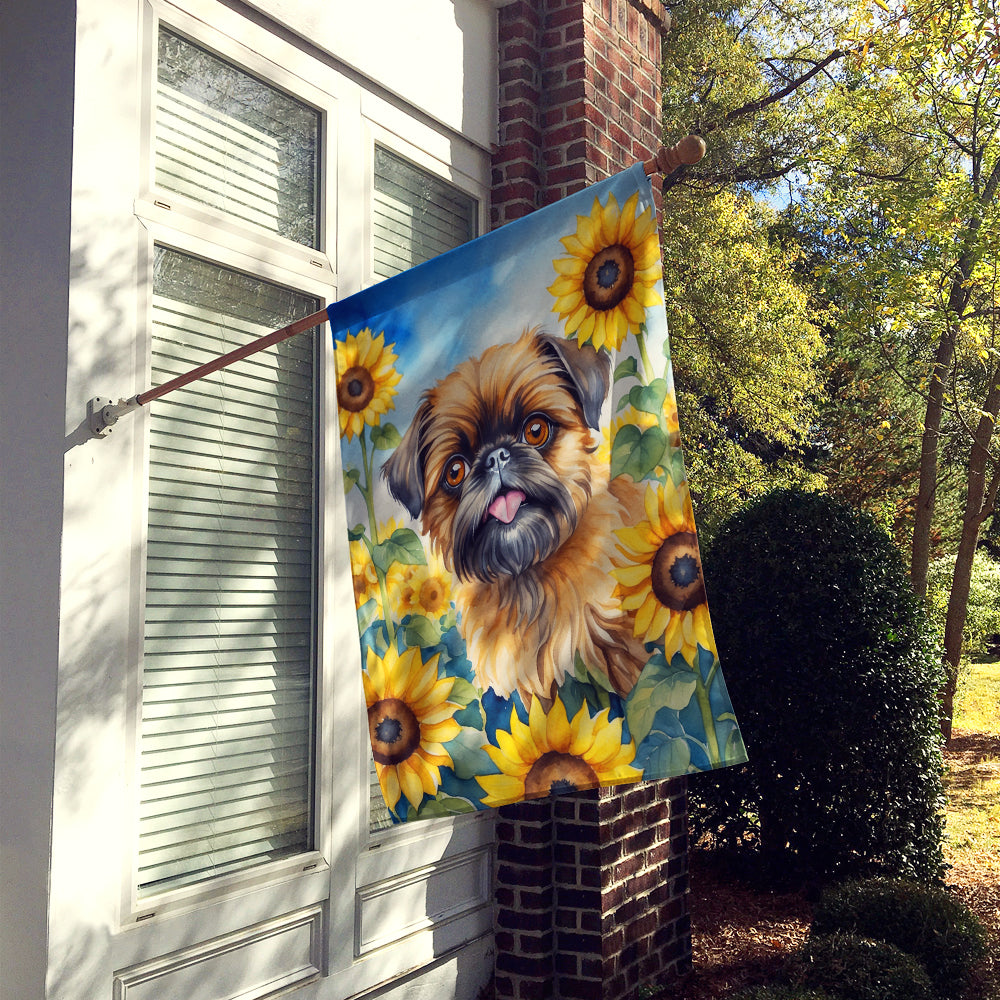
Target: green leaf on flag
column 385, row 436
column 649, row 398
column 468, row 756
column 636, row 452
column 660, row 685
column 629, row 368
column 402, row 546
column 351, row 477
column 446, row 805
column 421, row 631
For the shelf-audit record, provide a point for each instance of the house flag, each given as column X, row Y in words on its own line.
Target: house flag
column 530, row 601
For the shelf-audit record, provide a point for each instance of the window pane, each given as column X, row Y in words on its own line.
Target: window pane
column 417, row 215
column 231, row 141
column 228, row 679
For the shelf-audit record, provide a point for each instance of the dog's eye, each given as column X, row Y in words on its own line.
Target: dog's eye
column 455, row 471
column 535, row 431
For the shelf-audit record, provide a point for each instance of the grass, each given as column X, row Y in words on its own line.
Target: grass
column 973, row 784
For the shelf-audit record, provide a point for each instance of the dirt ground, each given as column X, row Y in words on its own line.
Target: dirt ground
column 741, row 936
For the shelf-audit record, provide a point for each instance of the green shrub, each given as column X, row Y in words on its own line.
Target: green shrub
column 834, row 674
column 925, row 922
column 856, row 968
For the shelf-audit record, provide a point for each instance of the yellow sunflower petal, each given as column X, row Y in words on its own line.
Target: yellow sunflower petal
column 582, row 728
column 441, row 732
column 557, row 732
column 500, row 788
column 573, row 266
column 609, row 221
column 389, row 781
column 632, row 576
column 644, row 615
column 410, row 783
column 536, row 723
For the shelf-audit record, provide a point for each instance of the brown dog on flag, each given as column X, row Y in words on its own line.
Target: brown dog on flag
column 500, row 464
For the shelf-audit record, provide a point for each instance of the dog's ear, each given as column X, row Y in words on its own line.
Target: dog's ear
column 403, row 470
column 589, row 372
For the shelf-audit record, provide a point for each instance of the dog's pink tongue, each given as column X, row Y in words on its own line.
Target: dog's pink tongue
column 505, row 506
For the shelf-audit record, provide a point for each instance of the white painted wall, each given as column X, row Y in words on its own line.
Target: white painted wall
column 72, row 289
column 428, row 52
column 36, row 109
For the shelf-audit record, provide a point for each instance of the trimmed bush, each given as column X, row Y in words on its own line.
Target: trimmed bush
column 925, row 922
column 857, row 968
column 834, row 673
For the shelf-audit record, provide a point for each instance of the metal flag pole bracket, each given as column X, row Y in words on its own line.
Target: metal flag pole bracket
column 103, row 413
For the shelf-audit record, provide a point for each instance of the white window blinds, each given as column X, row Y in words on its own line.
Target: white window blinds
column 416, row 216
column 228, row 678
column 230, row 141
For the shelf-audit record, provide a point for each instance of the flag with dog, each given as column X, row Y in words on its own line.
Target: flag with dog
column 531, row 608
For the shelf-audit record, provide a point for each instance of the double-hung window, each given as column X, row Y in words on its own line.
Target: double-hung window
column 275, row 183
column 226, row 746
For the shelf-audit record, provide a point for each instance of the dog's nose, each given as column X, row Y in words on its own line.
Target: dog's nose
column 497, row 459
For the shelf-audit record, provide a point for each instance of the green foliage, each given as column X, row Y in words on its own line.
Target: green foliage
column 833, row 673
column 983, row 611
column 924, row 921
column 747, row 355
column 856, row 968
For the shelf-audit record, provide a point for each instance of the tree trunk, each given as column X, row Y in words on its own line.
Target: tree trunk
column 979, row 500
column 920, row 553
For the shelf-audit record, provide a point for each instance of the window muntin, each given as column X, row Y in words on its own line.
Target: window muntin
column 226, row 139
column 228, row 682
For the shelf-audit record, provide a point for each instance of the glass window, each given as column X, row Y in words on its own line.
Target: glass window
column 416, row 215
column 228, row 140
column 228, row 658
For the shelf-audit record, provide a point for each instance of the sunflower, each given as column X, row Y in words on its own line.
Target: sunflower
column 409, row 720
column 365, row 380
column 425, row 590
column 365, row 576
column 659, row 574
column 609, row 279
column 552, row 754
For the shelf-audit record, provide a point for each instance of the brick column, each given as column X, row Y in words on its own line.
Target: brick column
column 591, row 889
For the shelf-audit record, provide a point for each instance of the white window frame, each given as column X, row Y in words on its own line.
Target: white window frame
column 351, row 875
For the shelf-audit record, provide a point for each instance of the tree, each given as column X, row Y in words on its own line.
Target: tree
column 748, row 357
column 914, row 183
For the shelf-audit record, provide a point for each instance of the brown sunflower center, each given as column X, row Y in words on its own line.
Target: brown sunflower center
column 432, row 594
column 394, row 730
column 676, row 573
column 558, row 772
column 609, row 276
column 355, row 388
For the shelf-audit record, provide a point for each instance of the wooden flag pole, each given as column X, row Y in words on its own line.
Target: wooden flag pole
column 687, row 152
column 103, row 413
